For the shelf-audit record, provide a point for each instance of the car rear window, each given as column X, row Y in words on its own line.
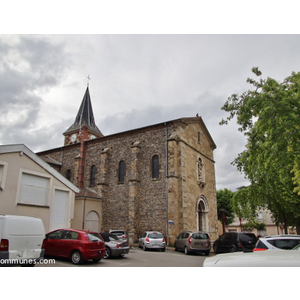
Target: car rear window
column 285, row 244
column 117, row 232
column 94, row 237
column 247, row 237
column 200, row 236
column 155, row 236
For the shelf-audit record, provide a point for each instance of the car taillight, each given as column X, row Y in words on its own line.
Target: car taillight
column 147, row 240
column 259, row 249
column 124, row 236
column 118, row 245
column 4, row 245
column 163, row 240
column 190, row 240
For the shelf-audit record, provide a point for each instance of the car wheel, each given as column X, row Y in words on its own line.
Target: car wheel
column 186, row 251
column 76, row 257
column 144, row 247
column 176, row 249
column 107, row 253
column 206, row 253
column 163, row 249
column 232, row 249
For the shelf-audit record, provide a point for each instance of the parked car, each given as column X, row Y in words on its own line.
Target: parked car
column 77, row 245
column 114, row 246
column 189, row 241
column 120, row 233
column 235, row 241
column 152, row 240
column 255, row 259
column 21, row 240
column 277, row 242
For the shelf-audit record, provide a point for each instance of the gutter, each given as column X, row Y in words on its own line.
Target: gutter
column 166, row 134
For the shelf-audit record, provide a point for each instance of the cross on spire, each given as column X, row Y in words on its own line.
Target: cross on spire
column 89, row 78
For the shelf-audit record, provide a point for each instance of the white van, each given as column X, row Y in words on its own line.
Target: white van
column 21, row 240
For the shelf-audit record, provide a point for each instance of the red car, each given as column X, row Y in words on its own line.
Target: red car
column 78, row 245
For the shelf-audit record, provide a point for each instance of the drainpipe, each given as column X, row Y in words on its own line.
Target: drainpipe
column 166, row 134
column 83, row 216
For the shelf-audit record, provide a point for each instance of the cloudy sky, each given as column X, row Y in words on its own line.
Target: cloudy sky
column 170, row 61
column 136, row 80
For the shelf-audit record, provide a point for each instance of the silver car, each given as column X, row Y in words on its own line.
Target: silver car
column 189, row 241
column 120, row 233
column 114, row 246
column 152, row 240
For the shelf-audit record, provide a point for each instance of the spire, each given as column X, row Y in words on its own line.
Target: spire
column 85, row 117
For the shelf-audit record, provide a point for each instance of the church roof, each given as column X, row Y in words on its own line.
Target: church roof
column 85, row 116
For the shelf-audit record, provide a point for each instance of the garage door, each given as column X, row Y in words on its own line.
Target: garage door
column 59, row 210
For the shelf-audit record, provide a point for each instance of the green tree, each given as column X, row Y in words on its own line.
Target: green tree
column 224, row 198
column 269, row 116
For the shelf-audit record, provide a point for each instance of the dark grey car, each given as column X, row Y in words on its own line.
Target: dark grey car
column 189, row 241
column 235, row 241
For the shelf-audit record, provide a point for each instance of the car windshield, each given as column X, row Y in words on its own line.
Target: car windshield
column 200, row 236
column 94, row 237
column 155, row 236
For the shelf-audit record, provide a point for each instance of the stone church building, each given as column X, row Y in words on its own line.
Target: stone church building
column 159, row 177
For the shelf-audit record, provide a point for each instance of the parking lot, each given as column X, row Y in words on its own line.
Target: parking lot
column 139, row 258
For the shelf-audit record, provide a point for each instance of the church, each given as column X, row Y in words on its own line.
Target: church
column 159, row 177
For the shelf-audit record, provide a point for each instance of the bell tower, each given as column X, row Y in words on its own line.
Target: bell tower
column 84, row 127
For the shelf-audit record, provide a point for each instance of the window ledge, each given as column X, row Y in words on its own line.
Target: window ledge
column 35, row 205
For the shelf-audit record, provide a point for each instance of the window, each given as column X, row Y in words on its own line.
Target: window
column 122, row 170
column 3, row 171
column 1, row 176
column 68, row 174
column 55, row 235
column 71, row 235
column 199, row 137
column 93, row 176
column 34, row 189
column 155, row 166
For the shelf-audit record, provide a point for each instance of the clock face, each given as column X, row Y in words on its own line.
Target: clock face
column 73, row 137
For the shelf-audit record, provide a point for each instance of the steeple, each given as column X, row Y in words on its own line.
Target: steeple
column 84, row 126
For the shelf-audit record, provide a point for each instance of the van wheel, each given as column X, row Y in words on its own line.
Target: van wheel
column 76, row 257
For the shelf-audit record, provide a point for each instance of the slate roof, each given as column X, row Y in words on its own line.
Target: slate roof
column 85, row 117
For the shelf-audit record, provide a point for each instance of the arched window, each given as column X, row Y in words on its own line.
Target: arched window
column 122, row 171
column 69, row 174
column 155, row 166
column 93, row 176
